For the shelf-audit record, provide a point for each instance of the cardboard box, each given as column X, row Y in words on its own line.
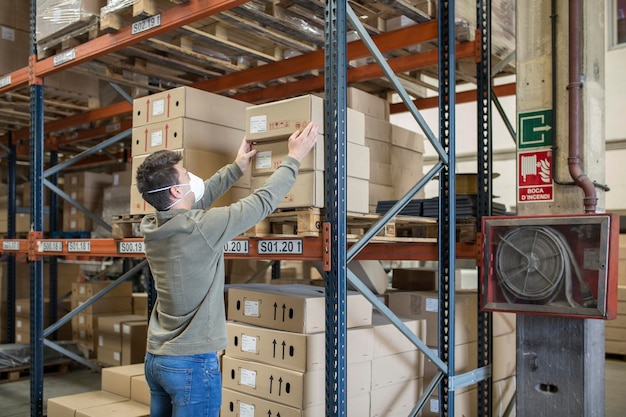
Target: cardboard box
column 120, row 305
column 13, row 46
column 504, row 356
column 379, row 151
column 140, row 304
column 67, row 406
column 190, row 103
column 118, row 379
column 296, row 351
column 465, row 360
column 139, row 389
column 15, row 14
column 279, row 119
column 303, row 307
column 270, row 155
column 396, row 368
column 388, row 340
column 134, row 339
column 292, row 388
column 396, row 399
column 425, row 304
column 109, row 356
column 380, row 173
column 127, row 409
column 407, row 139
column 184, row 132
column 238, row 404
column 113, row 324
column 367, row 103
column 86, row 290
column 308, row 191
column 426, row 279
column 86, row 179
column 371, row 273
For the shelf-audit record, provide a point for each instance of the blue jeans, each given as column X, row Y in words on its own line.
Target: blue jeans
column 184, row 386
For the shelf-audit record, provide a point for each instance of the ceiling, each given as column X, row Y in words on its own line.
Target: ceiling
column 258, row 51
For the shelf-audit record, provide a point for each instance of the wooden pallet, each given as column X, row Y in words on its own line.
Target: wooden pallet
column 132, row 11
column 23, row 372
column 79, row 32
column 466, row 230
column 126, row 225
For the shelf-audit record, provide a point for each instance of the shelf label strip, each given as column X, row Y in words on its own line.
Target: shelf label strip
column 146, row 24
column 4, row 81
column 50, row 246
column 64, row 57
column 237, row 246
column 10, row 245
column 280, row 246
column 130, row 247
column 79, row 246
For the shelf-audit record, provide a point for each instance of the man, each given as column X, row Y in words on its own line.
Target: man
column 184, row 242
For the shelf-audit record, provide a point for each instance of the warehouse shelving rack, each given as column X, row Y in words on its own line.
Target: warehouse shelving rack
column 331, row 247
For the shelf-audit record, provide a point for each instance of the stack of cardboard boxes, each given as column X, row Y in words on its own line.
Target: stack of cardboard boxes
column 425, row 305
column 205, row 128
column 122, row 339
column 396, row 153
column 22, row 320
column 615, row 333
column 124, row 393
column 270, row 125
column 85, row 188
column 85, row 324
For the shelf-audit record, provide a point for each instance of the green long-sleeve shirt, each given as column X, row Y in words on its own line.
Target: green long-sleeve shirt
column 184, row 249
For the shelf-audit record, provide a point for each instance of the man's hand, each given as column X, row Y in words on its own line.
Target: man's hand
column 245, row 154
column 300, row 143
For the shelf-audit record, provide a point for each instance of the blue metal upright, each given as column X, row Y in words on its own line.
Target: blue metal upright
column 447, row 201
column 335, row 204
column 11, row 211
column 484, row 171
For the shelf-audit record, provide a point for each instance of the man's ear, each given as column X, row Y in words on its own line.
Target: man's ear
column 175, row 192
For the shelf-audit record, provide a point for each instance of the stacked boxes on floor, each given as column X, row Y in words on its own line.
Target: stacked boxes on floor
column 22, row 200
column 270, row 125
column 85, row 324
column 206, row 128
column 275, row 360
column 124, row 393
column 86, row 188
column 425, row 304
column 396, row 153
column 122, row 339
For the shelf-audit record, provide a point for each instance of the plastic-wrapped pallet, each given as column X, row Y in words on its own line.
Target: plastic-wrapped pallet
column 57, row 17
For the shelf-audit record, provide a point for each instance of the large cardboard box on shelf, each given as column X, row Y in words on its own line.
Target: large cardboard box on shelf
column 86, row 179
column 308, row 191
column 120, row 305
column 134, row 336
column 13, row 48
column 396, row 399
column 184, row 132
column 303, row 307
column 270, row 154
column 367, row 103
column 88, row 289
column 22, row 222
column 279, row 119
column 67, row 274
column 117, row 379
column 271, row 382
column 407, row 139
column 296, row 351
column 15, row 14
column 190, row 103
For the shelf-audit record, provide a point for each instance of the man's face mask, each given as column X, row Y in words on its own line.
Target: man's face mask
column 196, row 186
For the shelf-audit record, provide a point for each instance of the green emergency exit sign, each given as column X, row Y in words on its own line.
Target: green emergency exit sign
column 535, row 129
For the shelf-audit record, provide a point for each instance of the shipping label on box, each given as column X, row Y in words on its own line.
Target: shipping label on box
column 191, row 103
column 296, row 308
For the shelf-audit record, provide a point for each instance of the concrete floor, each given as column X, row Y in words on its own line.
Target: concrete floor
column 15, row 396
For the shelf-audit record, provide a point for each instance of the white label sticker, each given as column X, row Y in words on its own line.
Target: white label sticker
column 50, row 246
column 116, row 328
column 432, row 304
column 18, row 309
column 18, row 323
column 130, row 247
column 79, row 246
column 591, row 259
column 248, row 377
column 434, row 406
column 246, row 410
column 237, row 246
column 248, row 344
column 126, row 329
column 116, row 356
column 251, row 308
column 263, row 160
column 10, row 245
column 158, row 107
column 8, row 34
column 64, row 57
column 258, row 124
column 146, row 24
column 100, row 340
column 81, row 319
column 4, row 81
column 292, row 246
column 156, row 138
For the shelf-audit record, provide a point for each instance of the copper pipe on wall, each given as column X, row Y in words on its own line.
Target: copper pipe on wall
column 575, row 85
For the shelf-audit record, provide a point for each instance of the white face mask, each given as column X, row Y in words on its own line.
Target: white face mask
column 196, row 186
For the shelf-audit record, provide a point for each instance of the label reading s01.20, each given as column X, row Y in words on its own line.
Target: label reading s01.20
column 271, row 247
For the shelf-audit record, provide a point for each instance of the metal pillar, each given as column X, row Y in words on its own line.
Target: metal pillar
column 11, row 211
column 53, row 264
column 335, row 178
column 447, row 200
column 484, row 171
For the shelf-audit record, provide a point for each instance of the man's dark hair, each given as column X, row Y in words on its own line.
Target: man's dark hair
column 158, row 171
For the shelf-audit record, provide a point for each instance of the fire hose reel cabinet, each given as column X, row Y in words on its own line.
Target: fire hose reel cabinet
column 563, row 265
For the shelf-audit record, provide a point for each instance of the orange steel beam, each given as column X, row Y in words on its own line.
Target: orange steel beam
column 171, row 19
column 464, row 97
column 354, row 75
column 314, row 60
